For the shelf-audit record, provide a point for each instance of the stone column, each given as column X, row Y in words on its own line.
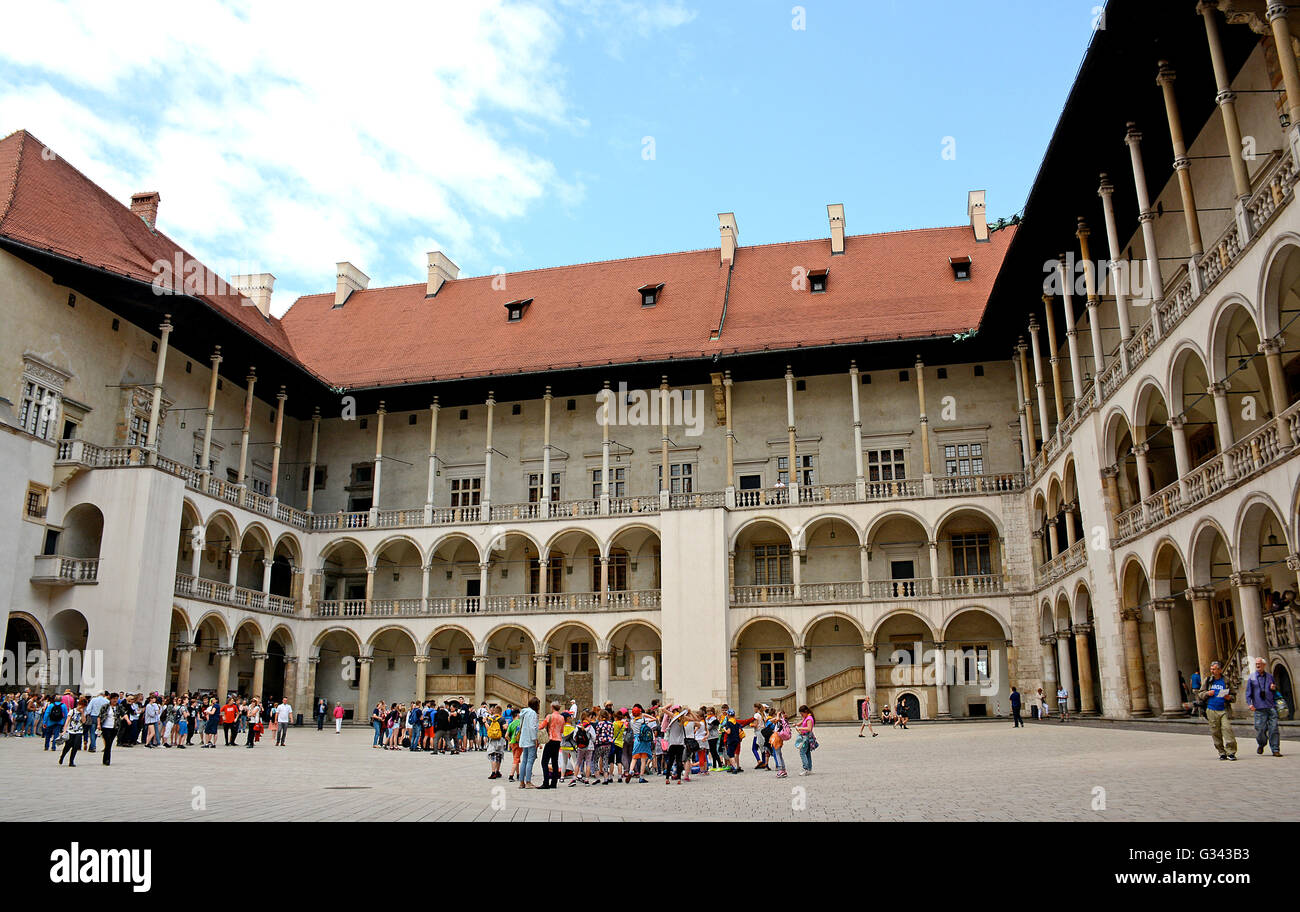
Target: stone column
column 539, row 670
column 1137, row 675
column 434, row 408
column 280, row 397
column 1182, row 458
column 259, row 673
column 1070, row 536
column 1026, row 449
column 800, row 676
column 425, row 570
column 266, row 574
column 290, row 675
column 793, row 479
column 379, row 462
column 925, row 421
column 487, row 460
column 1072, row 335
column 204, row 471
column 309, row 690
column 604, row 580
column 859, row 475
column 731, row 434
column 1029, row 407
column 1038, row 380
column 484, row 578
column 1040, row 554
column 1227, row 101
column 733, row 695
column 1110, row 485
column 1170, row 694
column 545, row 495
column 1067, row 669
column 1144, row 477
column 155, row 402
column 1252, row 613
column 421, row 678
column 480, row 679
column 1094, row 301
column 797, row 558
column 869, row 672
column 1053, row 538
column 251, row 380
column 1117, row 279
column 185, row 652
column 1182, row 167
column 1223, row 423
column 1053, row 346
column 665, row 481
column 1083, row 652
column 543, row 575
column 1049, row 669
column 223, row 670
column 941, row 680
column 1201, row 598
column 196, row 549
column 864, row 569
column 1272, row 351
column 363, row 689
column 934, row 566
column 1276, row 12
column 233, row 570
column 602, row 678
column 606, row 417
column 311, row 466
column 1146, row 215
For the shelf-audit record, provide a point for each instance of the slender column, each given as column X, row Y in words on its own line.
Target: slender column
column 223, row 670
column 434, row 408
column 196, row 549
column 543, row 575
column 793, row 479
column 425, row 571
column 487, row 460
column 602, row 678
column 546, row 454
column 1272, row 351
column 925, row 420
column 155, row 402
column 311, row 466
column 796, row 570
column 1144, row 477
column 259, row 675
column 1276, row 13
column 484, row 578
column 363, row 688
column 1025, row 448
column 379, row 463
column 1052, row 347
column 604, row 580
column 370, row 584
column 1146, row 215
column 1223, row 420
column 606, row 417
column 1049, row 668
column 665, row 481
column 480, row 679
column 1067, row 670
column 421, row 678
column 934, row 566
column 731, row 434
column 1170, row 695
column 185, row 653
column 280, row 397
column 1252, row 613
column 309, row 690
column 1203, row 621
column 1110, row 485
column 731, row 569
column 1070, row 536
column 1053, row 538
column 1083, row 652
column 1182, row 167
column 233, row 569
column 539, row 671
column 266, row 574
column 859, row 476
column 1137, row 674
column 204, row 471
column 733, row 693
column 251, row 380
column 869, row 672
column 1117, row 273
column 1227, row 99
column 1071, row 334
column 1094, row 301
column 800, row 675
column 1029, row 407
column 941, row 679
column 864, row 568
column 1038, row 380
column 1182, row 458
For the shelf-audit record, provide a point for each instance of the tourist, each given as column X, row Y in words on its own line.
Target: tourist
column 1015, row 709
column 528, row 733
column 90, row 721
column 807, row 741
column 75, row 722
column 181, row 724
column 110, row 717
column 616, row 762
column 900, row 714
column 253, row 714
column 758, row 746
column 442, row 728
column 229, row 719
column 1261, row 699
column 1063, row 703
column 733, row 732
column 321, row 708
column 553, row 726
column 52, row 717
column 584, row 734
column 283, row 716
column 566, row 747
column 1217, row 696
column 495, row 734
column 1198, row 705
column 211, row 719
column 377, row 719
column 643, row 737
column 338, row 718
column 777, row 740
column 866, row 718
column 415, row 721
column 512, row 738
column 1043, row 711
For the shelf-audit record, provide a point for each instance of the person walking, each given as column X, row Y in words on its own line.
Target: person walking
column 866, row 720
column 807, row 741
column 553, row 724
column 75, row 723
column 110, row 718
column 1261, row 698
column 283, row 716
column 90, row 721
column 1217, row 695
column 528, row 731
column 52, row 720
column 229, row 718
column 254, row 714
column 338, row 718
column 1016, row 721
column 321, row 709
column 1063, row 703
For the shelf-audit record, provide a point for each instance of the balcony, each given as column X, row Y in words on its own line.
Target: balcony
column 876, row 591
column 874, row 491
column 1063, row 564
column 58, row 570
column 548, row 603
column 206, row 590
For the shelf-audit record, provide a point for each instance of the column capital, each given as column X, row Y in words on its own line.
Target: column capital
column 1082, row 231
column 225, row 650
column 1162, row 604
column 371, row 568
column 1175, row 422
column 1246, row 579
column 1293, row 562
column 1277, row 9
column 1132, row 134
column 1219, row 388
column 1199, row 593
column 604, row 656
column 1033, row 325
column 1110, row 471
column 1131, row 614
column 261, row 656
column 251, row 377
column 365, row 660
column 290, row 658
column 1165, row 74
column 1082, row 629
column 480, row 660
column 383, row 408
column 1105, row 188
column 234, row 552
column 801, row 651
column 313, row 660
column 1022, row 346
column 869, row 649
column 1140, row 449
column 1206, row 6
column 940, row 644
column 933, row 544
column 1010, row 644
column 1271, row 346
column 1049, row 640
column 422, row 660
column 282, row 395
column 185, row 647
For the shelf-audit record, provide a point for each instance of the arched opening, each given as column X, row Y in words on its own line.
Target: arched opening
column 1178, row 643
column 218, row 541
column 1139, row 635
column 833, row 668
column 83, row 531
column 178, row 637
column 1212, row 570
column 243, row 666
column 253, row 571
column 574, row 565
column 1154, row 446
column 905, row 662
column 831, row 559
column 341, row 584
column 399, row 579
column 68, row 632
column 571, row 650
column 1235, row 357
column 635, row 664
column 451, row 666
column 1191, row 398
column 209, row 637
column 980, row 679
column 1084, row 626
column 337, row 673
column 511, row 664
column 288, row 556
column 764, row 670
column 1282, row 319
column 277, row 669
column 394, row 671
column 762, row 564
column 1067, row 652
column 454, row 577
column 970, row 554
column 25, row 642
column 898, row 561
column 634, row 569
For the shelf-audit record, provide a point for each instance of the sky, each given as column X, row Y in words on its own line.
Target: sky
column 515, row 134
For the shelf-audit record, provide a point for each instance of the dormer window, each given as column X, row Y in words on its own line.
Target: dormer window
column 960, row 268
column 817, row 280
column 515, row 309
column 650, row 294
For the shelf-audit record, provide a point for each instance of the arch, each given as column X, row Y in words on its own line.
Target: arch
column 1046, row 619
column 511, row 625
column 36, row 625
column 219, row 621
column 1061, row 613
column 329, row 631
column 1253, row 512
column 1080, row 611
column 570, row 622
column 872, row 527
column 572, row 530
column 261, row 533
column 1116, row 425
column 1201, row 552
column 1148, row 388
column 336, row 543
column 899, row 612
column 1225, row 313
column 390, row 628
column 1183, row 351
column 438, row 631
column 83, row 531
column 447, row 537
column 755, row 520
column 294, row 547
column 954, row 511
column 802, row 533
column 633, row 622
column 497, row 541
column 977, row 609
column 735, row 638
column 808, row 628
column 259, row 641
column 286, row 636
column 225, row 518
column 624, row 529
column 185, row 618
column 1276, row 261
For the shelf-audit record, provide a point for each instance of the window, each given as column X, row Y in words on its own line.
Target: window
column 40, row 408
column 975, row 662
column 554, row 572
column 516, row 409
column 817, row 280
column 772, row 565
column 138, row 430
column 412, row 418
column 466, row 492
column 579, row 657
column 535, row 487
column 259, row 486
column 515, row 309
column 960, row 268
column 617, row 482
column 943, row 373
column 979, row 370
column 963, row 459
column 886, row 465
column 363, row 424
column 971, row 555
column 320, row 477
column 650, row 294
column 34, row 503
column 771, row 669
column 617, row 571
column 804, row 464
column 681, row 477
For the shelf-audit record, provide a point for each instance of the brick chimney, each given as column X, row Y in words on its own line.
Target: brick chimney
column 145, row 205
column 730, row 233
column 441, row 269
column 835, row 212
column 256, row 289
column 975, row 209
column 350, row 279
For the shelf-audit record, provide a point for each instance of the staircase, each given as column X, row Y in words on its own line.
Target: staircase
column 507, row 691
column 825, row 689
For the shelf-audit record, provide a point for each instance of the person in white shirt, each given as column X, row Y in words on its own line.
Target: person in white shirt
column 253, row 712
column 1063, row 703
column 283, row 719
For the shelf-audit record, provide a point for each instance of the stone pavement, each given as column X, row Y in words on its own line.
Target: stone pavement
column 978, row 771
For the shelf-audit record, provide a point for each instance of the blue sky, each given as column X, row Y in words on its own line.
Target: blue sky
column 516, row 134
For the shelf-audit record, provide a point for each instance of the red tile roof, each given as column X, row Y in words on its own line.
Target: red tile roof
column 885, row 286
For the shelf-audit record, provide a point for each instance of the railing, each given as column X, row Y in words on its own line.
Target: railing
column 980, row 584
column 63, row 570
column 625, row 506
column 1280, row 628
column 398, row 518
column 322, row 522
column 876, row 590
column 697, row 500
column 518, row 603
column 828, row 493
column 207, row 590
column 515, row 511
column 1006, row 483
column 561, row 509
column 762, row 497
column 1069, row 560
column 898, row 589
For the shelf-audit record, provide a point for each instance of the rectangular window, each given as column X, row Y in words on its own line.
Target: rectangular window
column 535, row 487
column 803, row 463
column 554, row 572
column 772, row 565
column 138, row 430
column 771, row 669
column 320, row 477
column 617, row 482
column 886, row 465
column 466, row 492
column 681, row 477
column 40, row 408
column 579, row 657
column 971, row 555
column 964, row 459
column 34, row 504
column 975, row 660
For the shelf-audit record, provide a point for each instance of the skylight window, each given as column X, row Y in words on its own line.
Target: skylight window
column 650, row 294
column 817, row 280
column 515, row 309
column 960, row 268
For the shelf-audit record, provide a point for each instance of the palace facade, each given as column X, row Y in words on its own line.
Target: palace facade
column 922, row 465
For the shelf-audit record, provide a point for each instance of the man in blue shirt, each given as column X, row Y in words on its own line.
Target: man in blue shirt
column 97, row 702
column 1197, row 708
column 1261, row 697
column 1217, row 693
column 1015, row 709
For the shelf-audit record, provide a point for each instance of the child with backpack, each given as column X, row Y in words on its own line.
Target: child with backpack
column 776, row 740
column 584, row 736
column 495, row 728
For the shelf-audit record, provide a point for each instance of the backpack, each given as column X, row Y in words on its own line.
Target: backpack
column 56, row 712
column 580, row 737
column 494, row 729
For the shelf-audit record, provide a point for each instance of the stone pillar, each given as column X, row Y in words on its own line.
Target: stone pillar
column 266, row 574
column 484, row 578
column 363, row 689
column 290, row 676
column 280, row 397
column 793, row 479
column 1026, row 448
column 379, row 463
column 941, row 680
column 925, row 421
column 1146, row 215
column 545, row 495
column 1049, row 669
column 370, row 585
column 480, row 679
column 733, row 695
column 309, row 690
column 1252, row 613
column 1053, row 346
column 434, row 408
column 1276, row 12
column 233, row 569
column 487, row 460
column 223, row 671
column 1117, row 279
column 606, row 417
column 1272, row 351
column 797, row 557
column 196, row 549
column 1170, row 693
column 151, row 444
column 604, row 580
column 425, row 570
column 665, row 480
column 1083, row 652
column 421, row 678
column 1110, row 486
column 539, row 670
column 185, row 651
column 1182, row 458
column 869, row 672
column 1053, row 538
column 934, row 566
column 602, row 678
column 1223, row 423
column 1182, row 167
column 1029, row 406
column 251, row 380
column 543, row 575
column 731, row 434
column 800, row 676
column 859, row 475
column 311, row 465
column 1072, row 336
column 1144, row 477
column 1040, row 554
column 259, row 674
column 1227, row 101
column 1038, row 380
column 864, row 568
column 1094, row 301
column 204, row 471
column 1067, row 669
column 1201, row 598
column 1070, row 536
column 1137, row 675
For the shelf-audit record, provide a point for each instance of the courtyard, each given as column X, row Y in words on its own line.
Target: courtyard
column 975, row 771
